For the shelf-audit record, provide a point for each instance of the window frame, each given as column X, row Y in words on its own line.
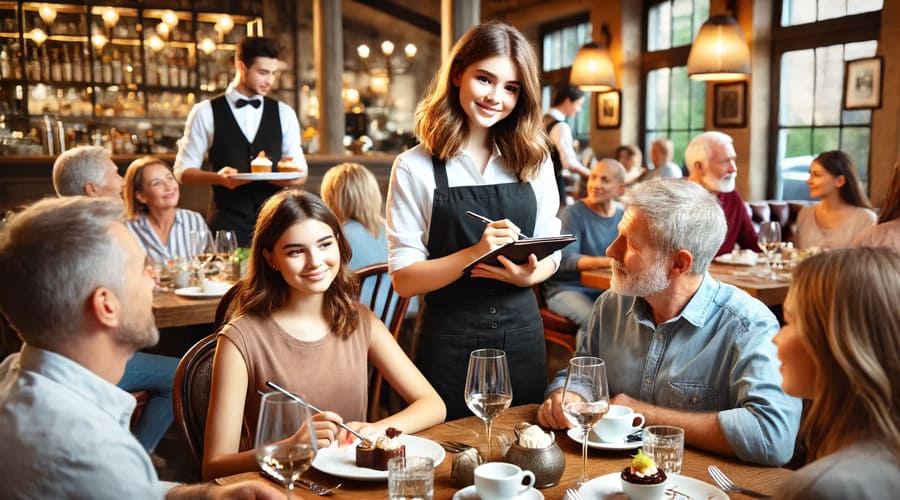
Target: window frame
column 836, row 31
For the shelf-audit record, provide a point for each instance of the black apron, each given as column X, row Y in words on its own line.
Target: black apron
column 477, row 313
column 557, row 163
column 236, row 209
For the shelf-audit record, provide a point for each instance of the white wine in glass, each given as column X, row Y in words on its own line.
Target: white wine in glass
column 488, row 389
column 285, row 441
column 769, row 242
column 585, row 400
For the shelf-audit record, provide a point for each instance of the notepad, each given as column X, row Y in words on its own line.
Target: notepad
column 519, row 250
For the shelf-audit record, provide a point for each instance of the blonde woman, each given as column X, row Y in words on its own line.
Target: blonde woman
column 151, row 204
column 839, row 348
column 351, row 192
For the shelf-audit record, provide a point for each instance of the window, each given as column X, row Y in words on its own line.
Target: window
column 796, row 12
column 560, row 42
column 674, row 105
column 810, row 63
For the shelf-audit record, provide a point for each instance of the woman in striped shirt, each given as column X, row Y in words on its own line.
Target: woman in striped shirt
column 151, row 204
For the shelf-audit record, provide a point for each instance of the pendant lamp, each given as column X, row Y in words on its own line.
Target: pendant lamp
column 720, row 52
column 593, row 69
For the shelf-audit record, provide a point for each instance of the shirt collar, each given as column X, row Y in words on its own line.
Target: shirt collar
column 232, row 94
column 78, row 379
column 695, row 311
column 557, row 114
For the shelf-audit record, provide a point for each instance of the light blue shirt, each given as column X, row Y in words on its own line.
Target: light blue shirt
column 717, row 355
column 862, row 471
column 65, row 435
column 367, row 249
column 178, row 244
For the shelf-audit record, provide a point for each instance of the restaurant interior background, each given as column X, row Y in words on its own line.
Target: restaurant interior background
column 124, row 74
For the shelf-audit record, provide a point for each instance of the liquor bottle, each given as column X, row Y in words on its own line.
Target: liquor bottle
column 163, row 68
column 127, row 68
column 116, row 67
column 183, row 78
column 77, row 68
column 66, row 65
column 5, row 69
column 45, row 64
column 138, row 65
column 106, row 66
column 15, row 61
column 96, row 69
column 55, row 66
column 173, row 70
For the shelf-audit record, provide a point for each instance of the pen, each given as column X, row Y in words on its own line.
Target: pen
column 485, row 220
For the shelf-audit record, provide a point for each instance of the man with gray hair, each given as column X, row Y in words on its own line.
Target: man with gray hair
column 681, row 347
column 710, row 158
column 87, row 170
column 77, row 290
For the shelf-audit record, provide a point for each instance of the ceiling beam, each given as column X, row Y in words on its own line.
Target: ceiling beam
column 405, row 14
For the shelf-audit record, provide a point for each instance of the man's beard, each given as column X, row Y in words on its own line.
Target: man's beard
column 723, row 185
column 652, row 280
column 140, row 336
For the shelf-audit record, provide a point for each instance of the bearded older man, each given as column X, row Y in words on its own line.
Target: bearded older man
column 681, row 347
column 711, row 159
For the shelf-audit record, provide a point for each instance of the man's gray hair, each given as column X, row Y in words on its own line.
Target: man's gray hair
column 700, row 147
column 76, row 167
column 53, row 255
column 680, row 215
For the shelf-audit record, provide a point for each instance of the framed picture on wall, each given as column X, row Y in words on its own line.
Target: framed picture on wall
column 862, row 83
column 608, row 109
column 730, row 108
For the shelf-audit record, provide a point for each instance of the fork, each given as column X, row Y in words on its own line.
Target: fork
column 454, row 446
column 573, row 494
column 727, row 484
column 316, row 488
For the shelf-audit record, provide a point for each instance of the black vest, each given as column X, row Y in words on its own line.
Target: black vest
column 557, row 161
column 236, row 209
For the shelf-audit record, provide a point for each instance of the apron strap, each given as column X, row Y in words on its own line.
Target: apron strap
column 441, row 185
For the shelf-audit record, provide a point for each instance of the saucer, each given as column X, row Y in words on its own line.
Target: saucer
column 576, row 434
column 468, row 493
column 609, row 486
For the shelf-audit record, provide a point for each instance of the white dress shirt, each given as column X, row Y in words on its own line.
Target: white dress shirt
column 411, row 195
column 561, row 137
column 199, row 131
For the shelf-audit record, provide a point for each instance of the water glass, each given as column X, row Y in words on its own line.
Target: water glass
column 488, row 389
column 665, row 445
column 410, row 478
column 285, row 442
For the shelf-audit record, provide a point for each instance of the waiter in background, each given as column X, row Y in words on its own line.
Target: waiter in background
column 232, row 128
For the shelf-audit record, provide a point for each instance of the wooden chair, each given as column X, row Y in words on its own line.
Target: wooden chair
column 377, row 292
column 558, row 329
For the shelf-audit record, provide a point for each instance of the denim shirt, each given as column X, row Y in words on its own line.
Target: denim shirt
column 717, row 355
column 65, row 435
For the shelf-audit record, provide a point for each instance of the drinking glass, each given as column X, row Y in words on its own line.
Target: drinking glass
column 488, row 389
column 411, row 478
column 585, row 400
column 769, row 242
column 285, row 444
column 226, row 244
column 202, row 250
column 665, row 445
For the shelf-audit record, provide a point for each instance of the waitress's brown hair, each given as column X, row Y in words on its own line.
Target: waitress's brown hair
column 264, row 290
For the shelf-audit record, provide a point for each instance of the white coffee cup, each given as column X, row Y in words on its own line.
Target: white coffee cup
column 501, row 481
column 617, row 423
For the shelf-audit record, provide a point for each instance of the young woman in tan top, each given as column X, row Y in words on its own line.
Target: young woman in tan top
column 297, row 322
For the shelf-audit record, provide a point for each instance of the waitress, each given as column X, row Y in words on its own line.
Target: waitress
column 232, row 129
column 482, row 151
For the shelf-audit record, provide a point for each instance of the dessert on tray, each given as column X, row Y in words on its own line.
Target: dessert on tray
column 642, row 480
column 287, row 164
column 375, row 454
column 261, row 164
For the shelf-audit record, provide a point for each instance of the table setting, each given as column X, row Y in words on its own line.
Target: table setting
column 527, row 462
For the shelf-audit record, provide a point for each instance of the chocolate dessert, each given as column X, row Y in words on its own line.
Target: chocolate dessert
column 643, row 471
column 375, row 454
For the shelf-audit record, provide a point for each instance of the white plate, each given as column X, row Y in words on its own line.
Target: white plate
column 268, row 176
column 593, row 442
column 679, row 487
column 468, row 493
column 213, row 289
column 341, row 462
column 747, row 258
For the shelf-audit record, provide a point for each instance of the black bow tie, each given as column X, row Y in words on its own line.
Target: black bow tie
column 240, row 103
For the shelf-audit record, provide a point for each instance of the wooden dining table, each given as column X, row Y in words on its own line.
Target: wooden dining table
column 170, row 310
column 770, row 292
column 600, row 462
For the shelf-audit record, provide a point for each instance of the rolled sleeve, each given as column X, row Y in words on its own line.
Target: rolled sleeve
column 198, row 137
column 546, row 222
column 763, row 425
column 407, row 215
column 291, row 135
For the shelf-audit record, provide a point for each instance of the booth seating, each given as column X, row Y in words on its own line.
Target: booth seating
column 784, row 212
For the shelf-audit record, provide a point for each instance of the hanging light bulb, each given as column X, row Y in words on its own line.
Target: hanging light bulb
column 99, row 41
column 47, row 13
column 170, row 18
column 207, row 46
column 156, row 43
column 363, row 51
column 110, row 17
column 593, row 69
column 163, row 30
column 38, row 36
column 225, row 24
column 387, row 48
column 410, row 50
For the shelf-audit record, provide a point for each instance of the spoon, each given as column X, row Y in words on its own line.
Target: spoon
column 300, row 400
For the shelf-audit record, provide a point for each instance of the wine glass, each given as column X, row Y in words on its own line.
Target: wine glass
column 585, row 400
column 769, row 242
column 202, row 250
column 226, row 244
column 285, row 442
column 488, row 389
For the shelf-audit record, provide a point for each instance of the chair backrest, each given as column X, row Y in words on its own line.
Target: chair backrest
column 377, row 292
column 191, row 390
column 223, row 313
